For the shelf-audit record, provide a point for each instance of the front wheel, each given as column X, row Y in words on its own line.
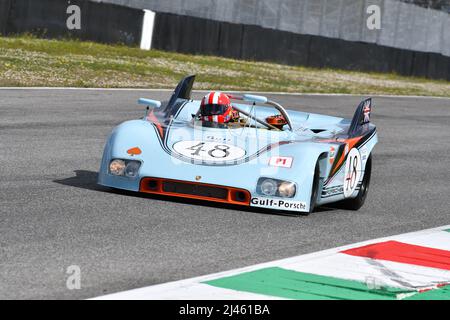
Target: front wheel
column 358, row 202
column 314, row 190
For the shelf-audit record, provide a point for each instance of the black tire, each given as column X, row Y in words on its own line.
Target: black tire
column 358, row 202
column 314, row 190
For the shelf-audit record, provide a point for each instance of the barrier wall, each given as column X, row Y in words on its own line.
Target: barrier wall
column 4, row 13
column 443, row 5
column 403, row 25
column 110, row 23
column 202, row 36
column 107, row 23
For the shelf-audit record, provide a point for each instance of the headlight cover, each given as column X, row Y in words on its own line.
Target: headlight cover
column 286, row 189
column 124, row 168
column 276, row 187
column 117, row 167
column 269, row 187
column 132, row 168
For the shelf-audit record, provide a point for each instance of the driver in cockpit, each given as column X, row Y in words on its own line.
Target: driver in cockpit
column 216, row 107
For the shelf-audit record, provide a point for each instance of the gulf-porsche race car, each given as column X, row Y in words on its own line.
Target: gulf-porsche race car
column 249, row 152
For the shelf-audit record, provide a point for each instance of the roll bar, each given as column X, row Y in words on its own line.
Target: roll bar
column 264, row 100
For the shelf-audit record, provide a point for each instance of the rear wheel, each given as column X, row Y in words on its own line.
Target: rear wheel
column 358, row 202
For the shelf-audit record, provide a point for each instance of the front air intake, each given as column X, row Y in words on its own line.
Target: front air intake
column 194, row 190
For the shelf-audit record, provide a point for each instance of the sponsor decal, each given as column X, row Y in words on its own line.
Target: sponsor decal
column 285, row 162
column 332, row 154
column 209, row 151
column 364, row 153
column 332, row 191
column 352, row 172
column 278, row 203
column 134, row 151
column 218, row 139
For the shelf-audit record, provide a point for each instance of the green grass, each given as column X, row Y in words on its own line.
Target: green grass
column 28, row 61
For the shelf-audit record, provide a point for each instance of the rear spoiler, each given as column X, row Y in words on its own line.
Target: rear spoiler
column 361, row 118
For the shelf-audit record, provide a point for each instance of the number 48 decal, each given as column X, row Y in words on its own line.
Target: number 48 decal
column 209, row 151
column 219, row 151
column 352, row 172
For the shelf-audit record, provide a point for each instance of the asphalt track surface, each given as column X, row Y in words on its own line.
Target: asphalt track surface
column 53, row 214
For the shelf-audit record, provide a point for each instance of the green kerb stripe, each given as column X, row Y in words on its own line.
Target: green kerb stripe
column 278, row 282
column 436, row 294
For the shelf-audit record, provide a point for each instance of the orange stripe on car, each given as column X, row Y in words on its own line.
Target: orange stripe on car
column 350, row 143
column 152, row 118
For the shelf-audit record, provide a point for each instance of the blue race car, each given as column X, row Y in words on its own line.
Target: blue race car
column 249, row 152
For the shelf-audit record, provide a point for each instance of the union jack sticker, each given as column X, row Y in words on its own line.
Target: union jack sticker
column 367, row 108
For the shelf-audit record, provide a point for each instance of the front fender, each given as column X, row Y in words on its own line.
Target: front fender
column 305, row 156
column 129, row 134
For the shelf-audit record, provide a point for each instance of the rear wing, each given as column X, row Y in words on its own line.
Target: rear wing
column 361, row 119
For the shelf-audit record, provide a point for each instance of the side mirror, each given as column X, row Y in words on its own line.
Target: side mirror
column 255, row 98
column 150, row 103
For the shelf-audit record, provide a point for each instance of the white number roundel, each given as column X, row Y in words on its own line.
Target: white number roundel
column 352, row 172
column 209, row 151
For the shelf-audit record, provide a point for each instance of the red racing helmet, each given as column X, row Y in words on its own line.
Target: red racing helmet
column 216, row 107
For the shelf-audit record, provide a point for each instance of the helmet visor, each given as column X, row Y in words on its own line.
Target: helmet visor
column 213, row 109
